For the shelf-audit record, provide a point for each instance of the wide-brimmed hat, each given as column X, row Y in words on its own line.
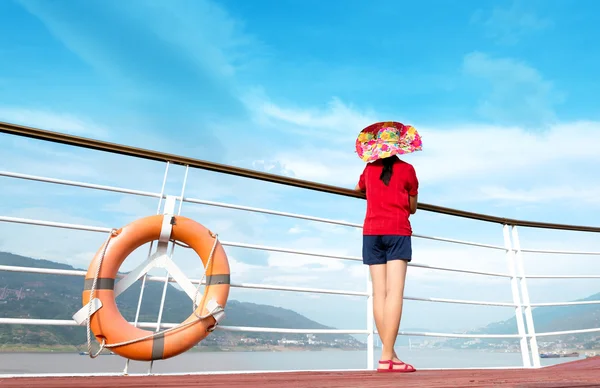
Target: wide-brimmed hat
column 385, row 139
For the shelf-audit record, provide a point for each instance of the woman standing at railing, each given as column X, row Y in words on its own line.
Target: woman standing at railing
column 391, row 187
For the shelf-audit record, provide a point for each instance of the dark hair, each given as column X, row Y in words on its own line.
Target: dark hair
column 388, row 169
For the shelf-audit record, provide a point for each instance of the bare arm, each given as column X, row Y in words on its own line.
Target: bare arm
column 412, row 200
column 360, row 186
column 413, row 191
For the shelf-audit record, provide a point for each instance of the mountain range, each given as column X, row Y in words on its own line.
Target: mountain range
column 49, row 296
column 550, row 319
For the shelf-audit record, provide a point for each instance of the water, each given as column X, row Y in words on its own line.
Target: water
column 19, row 363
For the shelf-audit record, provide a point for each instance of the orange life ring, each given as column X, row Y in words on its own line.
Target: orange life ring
column 110, row 327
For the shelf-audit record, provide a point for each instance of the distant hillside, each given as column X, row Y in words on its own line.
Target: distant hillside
column 549, row 319
column 58, row 297
column 558, row 318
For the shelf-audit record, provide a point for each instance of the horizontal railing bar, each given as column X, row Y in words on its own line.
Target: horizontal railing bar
column 240, row 245
column 290, row 331
column 272, row 212
column 560, row 276
column 458, row 301
column 70, row 322
column 577, row 303
column 62, row 138
column 47, row 271
column 297, row 289
column 326, row 220
column 79, row 184
column 286, row 250
column 425, row 266
column 561, row 252
column 453, row 335
column 70, row 272
column 53, row 224
column 552, row 333
column 462, row 242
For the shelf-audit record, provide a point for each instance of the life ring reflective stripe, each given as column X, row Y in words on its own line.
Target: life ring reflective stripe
column 109, row 325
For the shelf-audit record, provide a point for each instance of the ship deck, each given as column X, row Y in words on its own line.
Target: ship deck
column 582, row 373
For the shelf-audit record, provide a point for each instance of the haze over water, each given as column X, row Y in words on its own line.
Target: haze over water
column 21, row 363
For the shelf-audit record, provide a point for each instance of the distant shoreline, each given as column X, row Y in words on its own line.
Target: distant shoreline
column 272, row 348
column 268, row 348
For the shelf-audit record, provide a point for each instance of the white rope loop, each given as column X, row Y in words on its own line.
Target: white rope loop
column 104, row 345
column 219, row 309
column 112, row 233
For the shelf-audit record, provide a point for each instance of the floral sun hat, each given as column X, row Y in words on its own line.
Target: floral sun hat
column 385, row 139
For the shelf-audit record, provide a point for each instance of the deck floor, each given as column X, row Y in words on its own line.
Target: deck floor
column 583, row 373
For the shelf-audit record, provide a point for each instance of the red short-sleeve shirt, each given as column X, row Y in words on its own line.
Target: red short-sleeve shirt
column 388, row 207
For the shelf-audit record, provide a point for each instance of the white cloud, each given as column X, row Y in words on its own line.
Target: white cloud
column 463, row 160
column 517, row 91
column 509, row 25
column 242, row 271
column 271, row 166
column 475, row 152
column 334, row 123
column 295, row 230
column 324, row 165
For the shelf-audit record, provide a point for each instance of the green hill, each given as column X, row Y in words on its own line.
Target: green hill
column 49, row 296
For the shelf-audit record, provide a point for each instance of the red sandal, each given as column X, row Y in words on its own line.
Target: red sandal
column 407, row 367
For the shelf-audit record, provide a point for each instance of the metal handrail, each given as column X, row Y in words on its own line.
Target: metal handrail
column 121, row 149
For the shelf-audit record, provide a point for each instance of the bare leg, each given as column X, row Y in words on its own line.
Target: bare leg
column 394, row 295
column 379, row 278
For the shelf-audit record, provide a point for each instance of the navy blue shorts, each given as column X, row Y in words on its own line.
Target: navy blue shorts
column 381, row 249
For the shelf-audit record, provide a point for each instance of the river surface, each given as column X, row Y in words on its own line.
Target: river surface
column 19, row 363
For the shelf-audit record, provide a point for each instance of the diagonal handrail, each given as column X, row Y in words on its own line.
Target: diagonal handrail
column 99, row 145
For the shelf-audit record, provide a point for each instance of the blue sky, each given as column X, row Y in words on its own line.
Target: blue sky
column 503, row 94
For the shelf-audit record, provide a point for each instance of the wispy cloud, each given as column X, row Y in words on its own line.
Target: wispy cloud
column 587, row 195
column 335, row 122
column 514, row 91
column 155, row 51
column 53, row 121
column 508, row 25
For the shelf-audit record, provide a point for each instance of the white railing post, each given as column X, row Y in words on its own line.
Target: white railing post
column 169, row 209
column 535, row 352
column 139, row 305
column 516, row 298
column 370, row 327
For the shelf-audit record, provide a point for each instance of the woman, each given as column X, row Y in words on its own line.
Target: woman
column 391, row 188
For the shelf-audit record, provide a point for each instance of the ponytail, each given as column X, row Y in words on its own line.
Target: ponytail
column 388, row 170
